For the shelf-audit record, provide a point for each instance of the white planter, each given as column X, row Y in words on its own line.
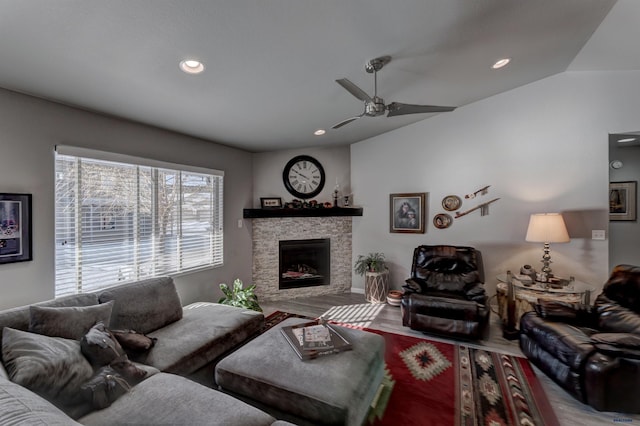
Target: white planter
column 376, row 286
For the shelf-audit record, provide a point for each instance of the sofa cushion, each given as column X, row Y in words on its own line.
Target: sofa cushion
column 143, row 306
column 167, row 399
column 20, row 406
column 51, row 366
column 69, row 322
column 206, row 331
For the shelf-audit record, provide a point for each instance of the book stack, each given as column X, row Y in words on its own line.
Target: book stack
column 311, row 340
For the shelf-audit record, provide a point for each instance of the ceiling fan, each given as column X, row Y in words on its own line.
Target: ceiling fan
column 374, row 106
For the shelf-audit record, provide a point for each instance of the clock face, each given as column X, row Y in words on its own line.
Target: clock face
column 303, row 176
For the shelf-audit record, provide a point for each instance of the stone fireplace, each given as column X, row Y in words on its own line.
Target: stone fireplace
column 268, row 233
column 304, row 263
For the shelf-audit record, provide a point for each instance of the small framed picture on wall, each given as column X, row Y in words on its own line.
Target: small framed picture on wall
column 622, row 200
column 407, row 212
column 15, row 228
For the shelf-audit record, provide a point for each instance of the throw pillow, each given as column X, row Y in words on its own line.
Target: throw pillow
column 68, row 322
column 104, row 388
column 134, row 342
column 51, row 366
column 100, row 346
column 128, row 369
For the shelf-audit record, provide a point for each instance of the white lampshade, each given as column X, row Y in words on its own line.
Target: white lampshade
column 547, row 228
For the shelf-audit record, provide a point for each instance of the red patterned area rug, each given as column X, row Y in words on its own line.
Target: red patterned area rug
column 441, row 384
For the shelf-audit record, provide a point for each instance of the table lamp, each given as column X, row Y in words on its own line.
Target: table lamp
column 547, row 228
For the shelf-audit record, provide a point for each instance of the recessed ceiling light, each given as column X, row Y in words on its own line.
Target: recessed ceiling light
column 319, row 132
column 626, row 140
column 501, row 63
column 191, row 66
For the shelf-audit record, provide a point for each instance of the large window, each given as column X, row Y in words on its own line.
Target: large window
column 120, row 219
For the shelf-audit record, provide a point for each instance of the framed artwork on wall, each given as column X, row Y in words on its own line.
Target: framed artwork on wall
column 622, row 201
column 15, row 228
column 407, row 212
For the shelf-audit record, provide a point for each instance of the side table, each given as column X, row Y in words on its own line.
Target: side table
column 527, row 296
column 376, row 286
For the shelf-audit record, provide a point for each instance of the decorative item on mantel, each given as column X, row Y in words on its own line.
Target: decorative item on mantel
column 376, row 273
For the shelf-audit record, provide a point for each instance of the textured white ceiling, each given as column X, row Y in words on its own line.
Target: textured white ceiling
column 271, row 65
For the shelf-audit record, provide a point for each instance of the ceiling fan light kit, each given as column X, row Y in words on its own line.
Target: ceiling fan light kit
column 374, row 105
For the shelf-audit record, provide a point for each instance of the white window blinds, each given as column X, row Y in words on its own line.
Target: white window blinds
column 120, row 221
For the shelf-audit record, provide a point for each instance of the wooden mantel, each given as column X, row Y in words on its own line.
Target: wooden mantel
column 318, row 212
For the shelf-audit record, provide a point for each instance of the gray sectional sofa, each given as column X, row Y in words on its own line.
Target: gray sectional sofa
column 41, row 362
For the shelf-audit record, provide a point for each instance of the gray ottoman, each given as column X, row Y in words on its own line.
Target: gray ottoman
column 334, row 389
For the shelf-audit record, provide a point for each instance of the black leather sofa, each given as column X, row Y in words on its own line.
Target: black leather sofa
column 593, row 352
column 445, row 294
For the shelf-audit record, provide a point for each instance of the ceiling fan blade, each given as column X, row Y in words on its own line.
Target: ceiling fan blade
column 396, row 108
column 345, row 122
column 354, row 90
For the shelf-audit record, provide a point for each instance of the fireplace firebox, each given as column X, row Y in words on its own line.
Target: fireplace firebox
column 304, row 263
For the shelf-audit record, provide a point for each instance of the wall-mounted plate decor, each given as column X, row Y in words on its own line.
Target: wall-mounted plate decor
column 442, row 221
column 451, row 203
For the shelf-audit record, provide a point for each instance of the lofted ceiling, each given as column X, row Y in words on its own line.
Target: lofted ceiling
column 271, row 66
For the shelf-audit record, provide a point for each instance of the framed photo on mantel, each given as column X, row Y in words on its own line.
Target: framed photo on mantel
column 407, row 212
column 15, row 228
column 271, row 202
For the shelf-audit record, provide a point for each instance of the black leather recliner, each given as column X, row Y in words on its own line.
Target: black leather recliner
column 593, row 352
column 445, row 294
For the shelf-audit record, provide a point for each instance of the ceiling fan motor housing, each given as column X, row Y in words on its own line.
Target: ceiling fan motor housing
column 375, row 108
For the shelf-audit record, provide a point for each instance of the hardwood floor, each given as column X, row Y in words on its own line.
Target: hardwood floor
column 568, row 410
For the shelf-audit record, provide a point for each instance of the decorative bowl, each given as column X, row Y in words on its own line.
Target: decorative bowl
column 394, row 297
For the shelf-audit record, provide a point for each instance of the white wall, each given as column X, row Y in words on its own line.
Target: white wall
column 29, row 130
column 268, row 166
column 542, row 148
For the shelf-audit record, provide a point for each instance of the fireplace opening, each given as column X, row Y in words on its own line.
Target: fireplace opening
column 304, row 263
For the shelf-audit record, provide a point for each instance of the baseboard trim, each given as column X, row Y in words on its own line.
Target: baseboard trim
column 357, row 290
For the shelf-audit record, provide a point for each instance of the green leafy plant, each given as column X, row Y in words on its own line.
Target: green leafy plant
column 372, row 262
column 240, row 297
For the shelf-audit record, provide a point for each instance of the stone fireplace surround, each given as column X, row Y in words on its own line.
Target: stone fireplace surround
column 267, row 232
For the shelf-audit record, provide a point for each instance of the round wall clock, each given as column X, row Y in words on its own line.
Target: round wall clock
column 303, row 176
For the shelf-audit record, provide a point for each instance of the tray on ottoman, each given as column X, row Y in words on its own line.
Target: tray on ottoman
column 331, row 389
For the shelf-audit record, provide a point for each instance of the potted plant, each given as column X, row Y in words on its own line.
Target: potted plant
column 240, row 297
column 376, row 276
